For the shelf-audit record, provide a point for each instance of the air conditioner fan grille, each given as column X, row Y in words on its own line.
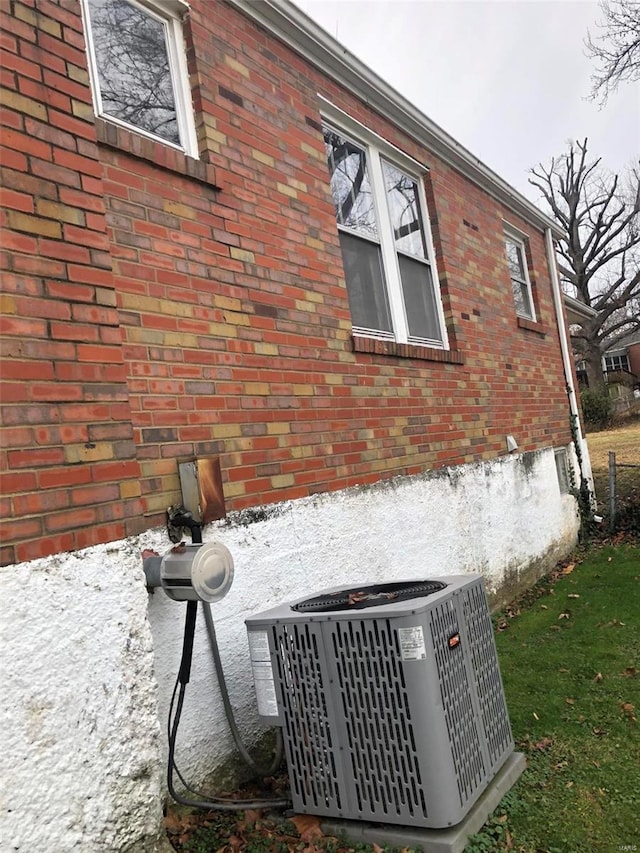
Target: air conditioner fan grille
column 359, row 597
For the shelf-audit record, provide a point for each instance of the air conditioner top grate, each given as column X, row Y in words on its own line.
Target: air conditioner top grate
column 359, row 597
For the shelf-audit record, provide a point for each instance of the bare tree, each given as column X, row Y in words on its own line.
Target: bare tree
column 616, row 48
column 599, row 257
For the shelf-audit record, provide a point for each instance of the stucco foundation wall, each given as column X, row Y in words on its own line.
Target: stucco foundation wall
column 80, row 635
column 79, row 765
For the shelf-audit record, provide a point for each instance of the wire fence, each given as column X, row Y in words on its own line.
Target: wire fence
column 623, row 496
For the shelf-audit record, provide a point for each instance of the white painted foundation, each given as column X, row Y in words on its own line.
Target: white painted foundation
column 89, row 659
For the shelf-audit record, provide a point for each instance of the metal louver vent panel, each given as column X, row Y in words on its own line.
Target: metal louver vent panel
column 493, row 708
column 466, row 751
column 381, row 746
column 308, row 740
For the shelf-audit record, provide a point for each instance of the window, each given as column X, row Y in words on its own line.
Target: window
column 562, row 470
column 616, row 362
column 517, row 261
column 380, row 212
column 138, row 69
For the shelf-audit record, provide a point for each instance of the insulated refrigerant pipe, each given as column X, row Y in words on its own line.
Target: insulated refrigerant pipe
column 215, row 652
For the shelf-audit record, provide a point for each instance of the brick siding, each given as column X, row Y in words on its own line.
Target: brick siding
column 156, row 307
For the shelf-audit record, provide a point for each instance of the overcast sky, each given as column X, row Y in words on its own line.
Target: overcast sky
column 508, row 79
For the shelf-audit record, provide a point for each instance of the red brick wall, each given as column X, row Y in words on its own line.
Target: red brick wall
column 69, row 473
column 157, row 307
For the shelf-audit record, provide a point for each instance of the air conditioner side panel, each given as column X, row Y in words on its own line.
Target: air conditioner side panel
column 306, row 701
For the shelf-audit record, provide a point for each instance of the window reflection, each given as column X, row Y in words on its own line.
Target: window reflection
column 134, row 72
column 350, row 186
column 404, row 208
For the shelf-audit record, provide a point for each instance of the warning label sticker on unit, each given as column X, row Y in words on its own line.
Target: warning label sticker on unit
column 259, row 645
column 263, row 674
column 412, row 643
column 265, row 689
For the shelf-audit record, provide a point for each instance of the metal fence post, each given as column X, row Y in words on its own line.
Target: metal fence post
column 612, row 491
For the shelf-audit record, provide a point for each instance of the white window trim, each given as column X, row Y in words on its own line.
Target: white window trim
column 376, row 149
column 521, row 239
column 168, row 12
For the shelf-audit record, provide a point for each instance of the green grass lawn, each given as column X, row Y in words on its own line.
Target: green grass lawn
column 569, row 659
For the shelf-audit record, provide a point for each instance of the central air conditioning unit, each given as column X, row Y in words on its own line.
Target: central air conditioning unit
column 389, row 697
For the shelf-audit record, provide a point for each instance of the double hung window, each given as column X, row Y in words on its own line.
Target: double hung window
column 517, row 261
column 383, row 230
column 138, row 68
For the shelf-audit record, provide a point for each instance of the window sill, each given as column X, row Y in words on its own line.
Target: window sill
column 162, row 156
column 371, row 345
column 531, row 326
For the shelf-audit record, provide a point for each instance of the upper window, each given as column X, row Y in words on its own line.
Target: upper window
column 138, row 69
column 380, row 212
column 617, row 362
column 517, row 260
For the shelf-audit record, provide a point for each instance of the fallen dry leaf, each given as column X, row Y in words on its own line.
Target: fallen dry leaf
column 630, row 672
column 628, row 710
column 573, row 595
column 570, row 701
column 598, row 732
column 544, row 744
column 250, row 817
column 564, row 615
column 599, row 677
column 308, row 826
column 568, row 569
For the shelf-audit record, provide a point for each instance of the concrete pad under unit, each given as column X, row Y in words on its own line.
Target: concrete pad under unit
column 450, row 840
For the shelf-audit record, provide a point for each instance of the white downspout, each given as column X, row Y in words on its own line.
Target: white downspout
column 566, row 357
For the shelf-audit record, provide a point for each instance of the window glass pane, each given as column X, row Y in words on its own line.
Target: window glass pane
column 419, row 299
column 133, row 67
column 515, row 260
column 522, row 299
column 350, row 188
column 404, row 210
column 365, row 283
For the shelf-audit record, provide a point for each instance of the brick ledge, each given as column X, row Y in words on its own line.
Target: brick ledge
column 377, row 347
column 531, row 326
column 163, row 156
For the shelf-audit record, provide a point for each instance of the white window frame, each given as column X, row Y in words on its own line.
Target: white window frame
column 514, row 235
column 376, row 149
column 169, row 13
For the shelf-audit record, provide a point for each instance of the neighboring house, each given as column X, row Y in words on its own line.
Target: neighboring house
column 620, row 364
column 624, row 359
column 225, row 237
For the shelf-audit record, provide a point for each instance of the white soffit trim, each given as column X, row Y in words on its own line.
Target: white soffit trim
column 577, row 310
column 292, row 26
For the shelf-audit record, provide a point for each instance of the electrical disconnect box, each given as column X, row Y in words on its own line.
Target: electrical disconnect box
column 389, row 696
